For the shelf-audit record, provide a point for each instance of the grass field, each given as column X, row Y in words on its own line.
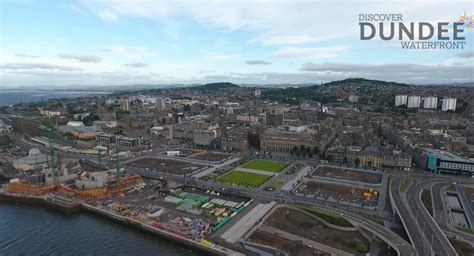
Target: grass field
column 246, row 179
column 262, row 165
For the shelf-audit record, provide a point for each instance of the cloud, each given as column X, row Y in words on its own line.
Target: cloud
column 224, row 57
column 284, row 40
column 26, row 55
column 136, row 64
column 465, row 55
column 79, row 10
column 311, row 53
column 22, row 66
column 407, row 73
column 257, row 62
column 107, row 15
column 81, row 58
column 130, row 52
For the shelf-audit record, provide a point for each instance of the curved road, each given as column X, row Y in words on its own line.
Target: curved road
column 423, row 231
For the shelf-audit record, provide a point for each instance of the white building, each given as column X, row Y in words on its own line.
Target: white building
column 449, row 104
column 353, row 98
column 400, row 100
column 413, row 102
column 75, row 123
column 430, row 102
column 257, row 93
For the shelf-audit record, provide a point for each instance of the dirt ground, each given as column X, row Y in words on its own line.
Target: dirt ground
column 337, row 192
column 345, row 174
column 210, row 156
column 165, row 165
column 305, row 226
column 291, row 247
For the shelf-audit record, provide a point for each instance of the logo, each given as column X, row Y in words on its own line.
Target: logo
column 467, row 20
column 415, row 35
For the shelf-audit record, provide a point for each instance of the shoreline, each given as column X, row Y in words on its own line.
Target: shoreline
column 84, row 207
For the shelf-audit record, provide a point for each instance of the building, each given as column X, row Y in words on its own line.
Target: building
column 75, row 123
column 160, row 103
column 400, row 100
column 35, row 160
column 257, row 93
column 124, row 105
column 203, row 137
column 353, row 98
column 449, row 104
column 430, row 102
column 92, row 180
column 444, row 162
column 127, row 142
column 49, row 114
column 413, row 102
column 274, row 119
column 283, row 141
column 105, row 138
column 84, row 133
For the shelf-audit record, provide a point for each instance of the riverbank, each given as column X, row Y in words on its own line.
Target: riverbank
column 70, row 208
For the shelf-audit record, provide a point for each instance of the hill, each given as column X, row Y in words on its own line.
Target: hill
column 215, row 86
column 361, row 82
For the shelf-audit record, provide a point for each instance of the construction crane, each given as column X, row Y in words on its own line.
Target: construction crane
column 52, row 164
column 118, row 189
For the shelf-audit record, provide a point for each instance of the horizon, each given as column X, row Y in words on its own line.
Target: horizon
column 110, row 43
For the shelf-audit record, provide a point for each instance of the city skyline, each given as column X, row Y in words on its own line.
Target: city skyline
column 266, row 42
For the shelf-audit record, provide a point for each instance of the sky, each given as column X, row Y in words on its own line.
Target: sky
column 59, row 43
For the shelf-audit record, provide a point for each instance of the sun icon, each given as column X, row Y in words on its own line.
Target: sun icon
column 467, row 20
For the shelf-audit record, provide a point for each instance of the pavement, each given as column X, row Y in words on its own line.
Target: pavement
column 234, row 233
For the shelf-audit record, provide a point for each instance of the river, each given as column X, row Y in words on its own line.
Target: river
column 27, row 230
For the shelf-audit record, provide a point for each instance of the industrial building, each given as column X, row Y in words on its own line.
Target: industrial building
column 449, row 104
column 35, row 160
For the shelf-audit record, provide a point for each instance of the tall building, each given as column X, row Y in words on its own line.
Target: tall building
column 413, row 102
column 430, row 102
column 400, row 100
column 257, row 93
column 160, row 103
column 124, row 105
column 449, row 104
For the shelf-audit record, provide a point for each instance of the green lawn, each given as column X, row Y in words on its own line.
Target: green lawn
column 244, row 178
column 268, row 166
column 278, row 183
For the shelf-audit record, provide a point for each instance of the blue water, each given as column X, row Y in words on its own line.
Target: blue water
column 26, row 230
column 11, row 97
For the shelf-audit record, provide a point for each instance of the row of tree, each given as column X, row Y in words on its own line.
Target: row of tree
column 304, row 151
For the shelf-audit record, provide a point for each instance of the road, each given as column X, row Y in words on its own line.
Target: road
column 424, row 233
column 441, row 215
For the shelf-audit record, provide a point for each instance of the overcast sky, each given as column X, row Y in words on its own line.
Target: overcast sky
column 164, row 42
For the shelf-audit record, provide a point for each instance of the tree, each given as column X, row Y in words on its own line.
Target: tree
column 187, row 107
column 316, row 150
column 357, row 161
